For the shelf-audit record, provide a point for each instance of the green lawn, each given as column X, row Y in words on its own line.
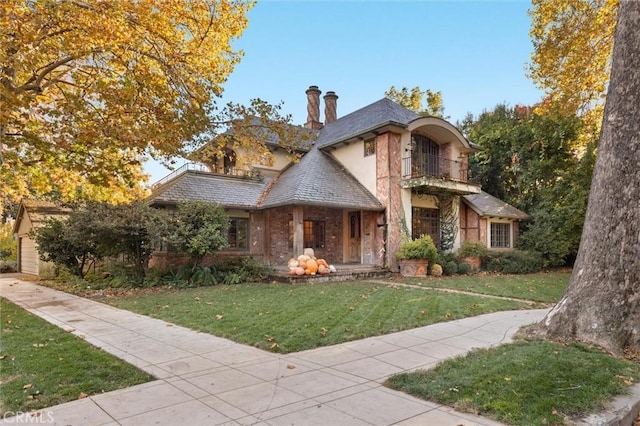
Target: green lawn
column 542, row 287
column 289, row 318
column 526, row 383
column 41, row 365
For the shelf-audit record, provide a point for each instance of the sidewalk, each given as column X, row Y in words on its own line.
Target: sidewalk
column 207, row 380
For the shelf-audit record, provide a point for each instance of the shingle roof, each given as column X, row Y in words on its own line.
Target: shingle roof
column 192, row 185
column 38, row 211
column 488, row 205
column 318, row 179
column 369, row 118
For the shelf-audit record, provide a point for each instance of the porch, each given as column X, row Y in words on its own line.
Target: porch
column 344, row 272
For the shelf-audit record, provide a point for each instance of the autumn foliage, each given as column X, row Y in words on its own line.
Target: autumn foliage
column 88, row 87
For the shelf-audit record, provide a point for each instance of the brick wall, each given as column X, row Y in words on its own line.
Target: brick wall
column 277, row 222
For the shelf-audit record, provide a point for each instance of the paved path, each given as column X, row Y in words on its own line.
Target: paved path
column 206, row 380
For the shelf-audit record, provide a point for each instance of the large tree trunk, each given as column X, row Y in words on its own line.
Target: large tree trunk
column 602, row 302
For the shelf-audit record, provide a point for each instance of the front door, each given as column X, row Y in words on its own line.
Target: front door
column 354, row 237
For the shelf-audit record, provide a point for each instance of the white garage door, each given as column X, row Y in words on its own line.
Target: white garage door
column 28, row 256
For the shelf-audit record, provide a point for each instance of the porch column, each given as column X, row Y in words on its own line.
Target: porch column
column 298, row 231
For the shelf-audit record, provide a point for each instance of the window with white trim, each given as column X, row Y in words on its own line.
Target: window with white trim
column 500, row 235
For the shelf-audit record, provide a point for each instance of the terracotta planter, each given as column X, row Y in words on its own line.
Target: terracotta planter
column 414, row 267
column 473, row 262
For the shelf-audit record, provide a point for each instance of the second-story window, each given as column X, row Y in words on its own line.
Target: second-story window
column 425, row 158
column 369, row 147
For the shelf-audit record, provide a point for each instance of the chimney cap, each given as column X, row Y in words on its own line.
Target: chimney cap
column 331, row 94
column 313, row 89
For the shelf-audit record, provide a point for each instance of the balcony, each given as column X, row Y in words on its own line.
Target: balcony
column 437, row 174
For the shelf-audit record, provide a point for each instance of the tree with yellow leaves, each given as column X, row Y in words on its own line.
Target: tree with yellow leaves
column 425, row 102
column 89, row 87
column 571, row 60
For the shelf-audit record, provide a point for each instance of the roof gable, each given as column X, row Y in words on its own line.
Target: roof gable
column 318, row 179
column 35, row 212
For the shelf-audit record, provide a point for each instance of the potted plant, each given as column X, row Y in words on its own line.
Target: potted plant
column 414, row 256
column 471, row 253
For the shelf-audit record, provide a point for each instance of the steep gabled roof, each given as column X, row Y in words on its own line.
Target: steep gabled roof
column 369, row 118
column 318, row 179
column 231, row 192
column 486, row 204
column 39, row 211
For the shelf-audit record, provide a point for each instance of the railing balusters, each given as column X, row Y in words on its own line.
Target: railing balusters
column 419, row 166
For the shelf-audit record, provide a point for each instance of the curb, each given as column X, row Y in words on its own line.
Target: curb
column 623, row 410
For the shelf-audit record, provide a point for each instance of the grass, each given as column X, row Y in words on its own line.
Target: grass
column 41, row 365
column 526, row 383
column 288, row 318
column 542, row 287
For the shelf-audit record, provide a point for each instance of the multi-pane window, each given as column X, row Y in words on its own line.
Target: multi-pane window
column 500, row 235
column 369, row 147
column 314, row 233
column 238, row 235
column 425, row 158
column 426, row 222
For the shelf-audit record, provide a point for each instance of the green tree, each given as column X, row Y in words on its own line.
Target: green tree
column 200, row 230
column 67, row 243
column 424, row 103
column 528, row 160
column 129, row 230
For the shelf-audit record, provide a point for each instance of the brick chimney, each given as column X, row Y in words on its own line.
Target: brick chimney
column 313, row 108
column 330, row 107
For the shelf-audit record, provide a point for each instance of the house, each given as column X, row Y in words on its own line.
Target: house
column 369, row 178
column 31, row 216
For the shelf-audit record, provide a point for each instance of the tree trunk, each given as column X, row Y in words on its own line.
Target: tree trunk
column 602, row 302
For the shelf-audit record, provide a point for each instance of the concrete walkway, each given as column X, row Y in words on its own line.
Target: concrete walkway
column 206, row 380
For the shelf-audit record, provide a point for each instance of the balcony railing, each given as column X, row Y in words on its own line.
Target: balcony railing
column 230, row 171
column 437, row 167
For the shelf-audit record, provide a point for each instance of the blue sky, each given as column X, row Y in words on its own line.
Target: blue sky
column 474, row 52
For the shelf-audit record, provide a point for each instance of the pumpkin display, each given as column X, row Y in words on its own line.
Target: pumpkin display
column 312, row 267
column 308, row 264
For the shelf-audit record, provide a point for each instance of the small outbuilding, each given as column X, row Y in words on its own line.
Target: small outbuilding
column 32, row 214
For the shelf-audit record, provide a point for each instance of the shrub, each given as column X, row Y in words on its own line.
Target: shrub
column 472, row 249
column 7, row 266
column 514, row 262
column 463, row 268
column 420, row 248
column 228, row 271
column 436, row 270
column 450, row 268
